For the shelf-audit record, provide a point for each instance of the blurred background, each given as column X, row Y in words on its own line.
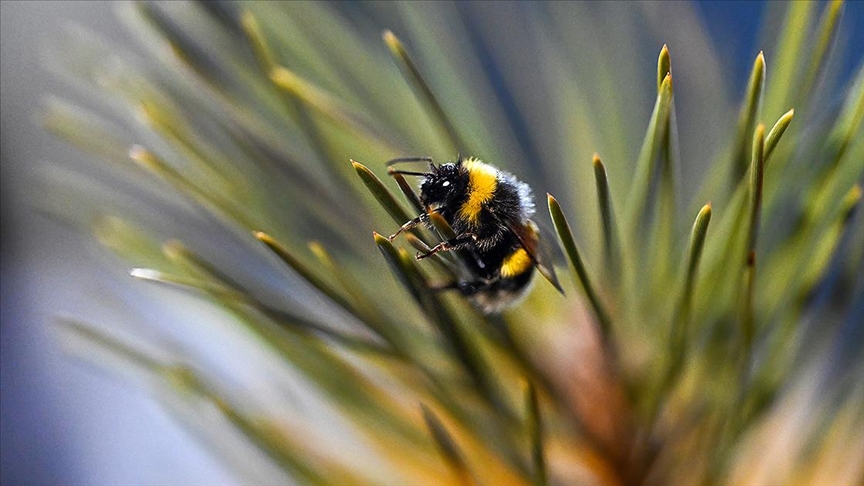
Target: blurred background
column 63, row 422
column 66, row 423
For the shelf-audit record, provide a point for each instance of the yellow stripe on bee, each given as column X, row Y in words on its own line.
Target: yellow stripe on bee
column 516, row 263
column 482, row 181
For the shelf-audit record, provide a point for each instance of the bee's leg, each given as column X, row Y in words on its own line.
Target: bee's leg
column 451, row 244
column 466, row 287
column 454, row 285
column 423, row 218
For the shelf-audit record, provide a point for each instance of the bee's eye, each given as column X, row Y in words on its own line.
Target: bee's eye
column 445, row 184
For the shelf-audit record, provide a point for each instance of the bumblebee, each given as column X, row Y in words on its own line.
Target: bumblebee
column 490, row 211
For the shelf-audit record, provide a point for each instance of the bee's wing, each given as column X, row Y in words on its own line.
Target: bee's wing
column 542, row 249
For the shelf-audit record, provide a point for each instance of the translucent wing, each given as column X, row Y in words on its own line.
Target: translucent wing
column 542, row 249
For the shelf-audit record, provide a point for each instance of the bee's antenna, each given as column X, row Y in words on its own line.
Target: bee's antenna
column 408, row 172
column 458, row 158
column 409, row 159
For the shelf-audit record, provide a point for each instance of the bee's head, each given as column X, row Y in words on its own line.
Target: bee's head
column 443, row 184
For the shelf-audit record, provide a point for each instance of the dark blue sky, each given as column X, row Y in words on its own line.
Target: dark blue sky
column 737, row 25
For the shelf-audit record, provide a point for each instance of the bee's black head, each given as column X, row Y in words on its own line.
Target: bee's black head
column 444, row 184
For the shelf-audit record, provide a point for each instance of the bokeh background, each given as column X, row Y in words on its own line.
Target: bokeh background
column 66, row 423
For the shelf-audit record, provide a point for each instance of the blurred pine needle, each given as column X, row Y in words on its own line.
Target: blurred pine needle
column 700, row 342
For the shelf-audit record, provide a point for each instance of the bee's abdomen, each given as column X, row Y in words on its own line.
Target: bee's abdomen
column 516, row 263
column 501, row 293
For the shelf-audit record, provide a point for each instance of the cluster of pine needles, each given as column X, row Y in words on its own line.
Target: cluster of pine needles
column 697, row 343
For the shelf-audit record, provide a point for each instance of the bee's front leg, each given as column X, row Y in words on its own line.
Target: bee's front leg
column 423, row 218
column 456, row 243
